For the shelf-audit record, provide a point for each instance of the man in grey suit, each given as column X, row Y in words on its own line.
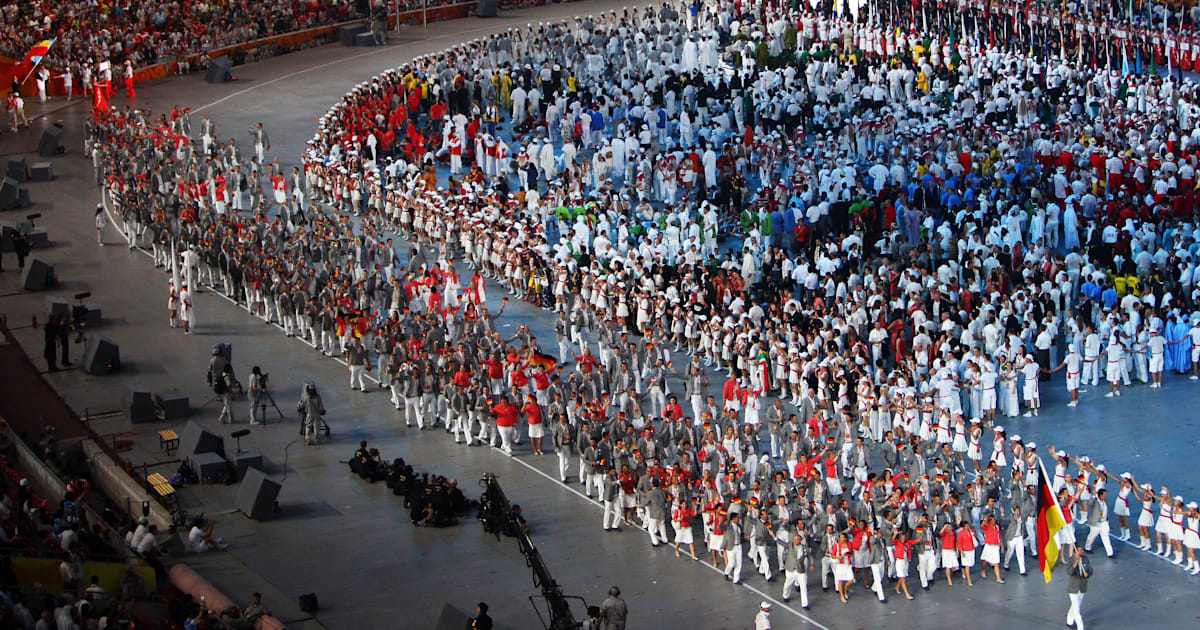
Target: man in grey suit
column 656, row 513
column 1077, row 579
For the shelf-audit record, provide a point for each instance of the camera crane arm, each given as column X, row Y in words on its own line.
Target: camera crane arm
column 497, row 516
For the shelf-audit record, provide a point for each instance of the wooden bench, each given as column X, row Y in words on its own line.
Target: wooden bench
column 168, row 441
column 164, row 489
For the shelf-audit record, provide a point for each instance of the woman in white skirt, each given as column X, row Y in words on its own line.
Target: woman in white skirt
column 965, row 541
column 1163, row 525
column 681, row 522
column 949, row 548
column 1121, row 505
column 716, row 540
column 1191, row 537
column 1178, row 526
column 903, row 553
column 1145, row 494
column 974, row 453
column 843, row 571
column 999, row 448
column 993, row 546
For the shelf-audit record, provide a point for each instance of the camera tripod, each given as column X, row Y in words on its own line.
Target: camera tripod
column 265, row 398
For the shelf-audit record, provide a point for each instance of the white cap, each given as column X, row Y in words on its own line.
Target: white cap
column 998, row 429
column 765, row 605
column 1061, row 453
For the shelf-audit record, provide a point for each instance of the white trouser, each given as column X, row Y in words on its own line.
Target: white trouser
column 758, row 555
column 658, row 402
column 612, row 514
column 877, row 576
column 1016, row 546
column 357, row 372
column 926, row 566
column 412, row 411
column 1075, row 612
column 1091, row 373
column 733, row 568
column 564, row 459
column 595, row 483
column 506, row 438
column 487, row 430
column 796, row 580
column 826, row 570
column 256, row 414
column 226, row 408
column 458, row 425
column 658, row 530
column 396, row 396
column 1100, row 530
column 429, row 407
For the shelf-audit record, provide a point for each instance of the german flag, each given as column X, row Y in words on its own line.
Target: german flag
column 1049, row 521
column 543, row 360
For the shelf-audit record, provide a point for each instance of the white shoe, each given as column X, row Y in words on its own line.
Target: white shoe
column 1073, row 403
column 1118, row 393
column 1108, row 395
column 1193, row 377
column 1028, row 414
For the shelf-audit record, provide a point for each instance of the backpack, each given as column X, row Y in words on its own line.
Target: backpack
column 219, row 385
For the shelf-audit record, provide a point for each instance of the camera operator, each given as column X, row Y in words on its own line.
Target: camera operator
column 258, row 391
column 310, row 409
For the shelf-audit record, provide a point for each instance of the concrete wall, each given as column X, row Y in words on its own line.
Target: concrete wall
column 43, row 480
column 111, row 479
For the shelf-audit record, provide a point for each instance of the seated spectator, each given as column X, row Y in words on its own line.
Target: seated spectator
column 200, row 538
column 149, row 542
column 95, row 590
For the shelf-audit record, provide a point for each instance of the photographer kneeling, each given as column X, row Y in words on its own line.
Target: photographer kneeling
column 368, row 464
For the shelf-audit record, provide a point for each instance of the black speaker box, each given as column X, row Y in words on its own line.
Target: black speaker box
column 209, row 467
column 486, row 8
column 42, row 172
column 364, row 39
column 172, row 406
column 51, row 141
column 18, row 169
column 102, row 357
column 138, row 404
column 348, row 33
column 197, row 439
column 217, row 69
column 38, row 275
column 257, row 494
column 9, row 194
